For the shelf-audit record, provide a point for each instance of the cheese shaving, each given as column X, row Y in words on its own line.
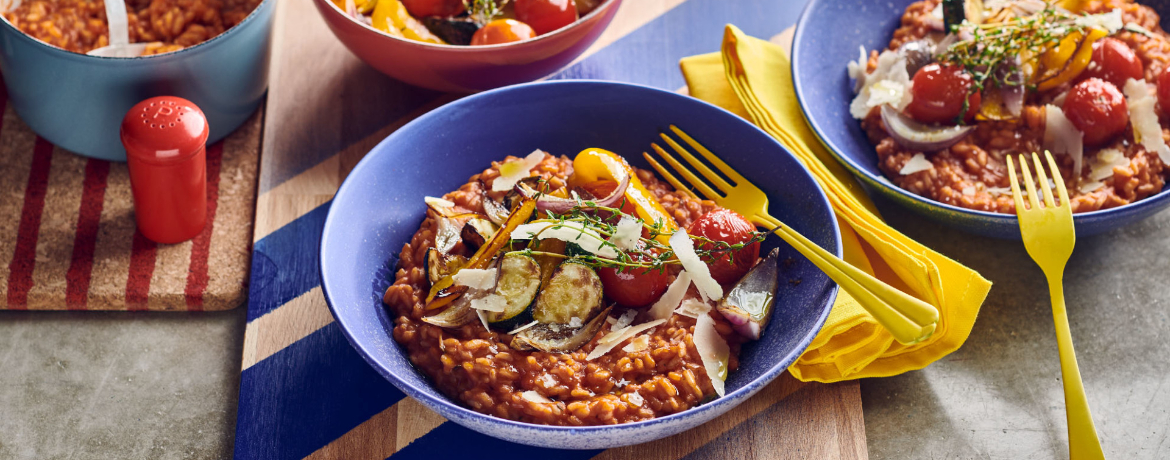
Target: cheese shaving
column 569, row 232
column 639, row 343
column 627, row 233
column 693, row 308
column 613, row 339
column 713, row 350
column 969, row 191
column 1103, row 163
column 684, row 249
column 438, row 202
column 635, row 399
column 917, row 163
column 482, row 279
column 575, row 322
column 625, row 320
column 1090, row 186
column 513, row 171
column 1110, row 21
column 524, row 327
column 482, row 318
column 1061, row 136
column 535, row 397
column 857, row 68
column 888, row 84
column 671, row 298
column 1144, row 118
column 492, row 302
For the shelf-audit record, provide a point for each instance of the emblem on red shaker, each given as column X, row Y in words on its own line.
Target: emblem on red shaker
column 165, row 140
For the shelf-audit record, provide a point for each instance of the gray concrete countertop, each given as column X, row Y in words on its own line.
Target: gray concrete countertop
column 162, row 386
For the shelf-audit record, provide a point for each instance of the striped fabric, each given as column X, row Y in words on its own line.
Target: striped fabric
column 306, row 394
column 69, row 240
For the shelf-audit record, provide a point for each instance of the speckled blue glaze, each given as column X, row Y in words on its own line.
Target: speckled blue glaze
column 380, row 206
column 827, row 37
column 77, row 101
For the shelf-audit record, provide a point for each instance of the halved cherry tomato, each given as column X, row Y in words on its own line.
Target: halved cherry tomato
column 635, row 287
column 938, row 94
column 502, row 31
column 546, row 15
column 1097, row 109
column 1164, row 91
column 442, row 8
column 725, row 225
column 1114, row 62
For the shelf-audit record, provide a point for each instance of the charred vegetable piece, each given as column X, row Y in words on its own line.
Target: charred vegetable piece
column 573, row 292
column 559, row 338
column 456, row 31
column 445, row 291
column 440, row 265
column 519, row 282
column 496, row 211
column 458, row 314
column 476, row 232
column 548, row 264
column 748, row 306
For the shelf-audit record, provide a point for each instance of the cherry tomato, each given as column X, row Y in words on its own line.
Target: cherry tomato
column 1114, row 62
column 442, row 8
column 1164, row 90
column 938, row 93
column 725, row 225
column 635, row 287
column 546, row 15
column 502, row 31
column 1097, row 109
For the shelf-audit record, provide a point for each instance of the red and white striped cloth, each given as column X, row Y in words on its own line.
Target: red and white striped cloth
column 68, row 239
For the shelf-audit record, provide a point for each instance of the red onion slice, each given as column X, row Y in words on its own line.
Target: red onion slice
column 917, row 136
column 562, row 205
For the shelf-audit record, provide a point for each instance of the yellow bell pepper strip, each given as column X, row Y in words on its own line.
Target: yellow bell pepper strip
column 593, row 165
column 1073, row 6
column 390, row 16
column 1067, row 60
column 444, row 291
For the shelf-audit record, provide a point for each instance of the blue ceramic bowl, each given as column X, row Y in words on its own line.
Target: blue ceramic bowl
column 77, row 101
column 380, row 206
column 827, row 37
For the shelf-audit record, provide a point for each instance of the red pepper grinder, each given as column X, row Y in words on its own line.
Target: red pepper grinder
column 166, row 148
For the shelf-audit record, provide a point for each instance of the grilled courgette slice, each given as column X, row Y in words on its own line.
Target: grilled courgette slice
column 573, row 292
column 518, row 283
column 440, row 265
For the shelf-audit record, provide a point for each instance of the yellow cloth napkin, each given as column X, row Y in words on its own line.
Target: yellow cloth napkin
column 753, row 78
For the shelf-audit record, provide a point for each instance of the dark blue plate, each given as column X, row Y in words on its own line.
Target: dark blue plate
column 380, row 206
column 827, row 37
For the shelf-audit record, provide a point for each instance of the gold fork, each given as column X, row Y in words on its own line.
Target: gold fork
column 1049, row 237
column 908, row 319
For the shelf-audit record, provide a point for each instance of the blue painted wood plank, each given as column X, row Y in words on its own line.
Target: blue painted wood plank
column 285, row 263
column 455, row 442
column 303, row 397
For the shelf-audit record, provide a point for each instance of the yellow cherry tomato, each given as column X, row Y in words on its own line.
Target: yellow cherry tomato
column 390, row 16
column 1067, row 60
column 592, row 165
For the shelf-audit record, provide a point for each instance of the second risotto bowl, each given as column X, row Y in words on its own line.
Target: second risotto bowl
column 380, row 206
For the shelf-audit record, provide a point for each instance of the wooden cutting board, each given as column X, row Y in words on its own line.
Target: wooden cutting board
column 305, row 393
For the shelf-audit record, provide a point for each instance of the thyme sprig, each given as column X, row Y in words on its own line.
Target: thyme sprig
column 484, row 11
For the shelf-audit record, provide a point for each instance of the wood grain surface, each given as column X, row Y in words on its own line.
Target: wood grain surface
column 327, row 110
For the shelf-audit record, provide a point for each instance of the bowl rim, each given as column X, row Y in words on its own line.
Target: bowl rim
column 903, row 195
column 137, row 59
column 605, row 6
column 716, row 407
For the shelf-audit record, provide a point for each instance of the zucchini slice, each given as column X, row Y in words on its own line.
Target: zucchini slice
column 518, row 283
column 559, row 338
column 440, row 265
column 573, row 292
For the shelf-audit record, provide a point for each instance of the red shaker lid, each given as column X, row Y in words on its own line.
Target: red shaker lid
column 164, row 129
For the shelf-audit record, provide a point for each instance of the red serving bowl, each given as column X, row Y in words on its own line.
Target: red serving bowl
column 467, row 69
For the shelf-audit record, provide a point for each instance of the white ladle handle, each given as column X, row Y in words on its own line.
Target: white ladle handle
column 119, row 24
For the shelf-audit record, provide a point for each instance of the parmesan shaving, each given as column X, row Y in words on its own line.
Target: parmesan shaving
column 1090, row 186
column 575, row 322
column 856, row 69
column 482, row 279
column 627, row 233
column 1110, row 21
column 625, row 320
column 569, row 232
column 1144, row 119
column 671, row 298
column 535, row 397
column 513, row 171
column 524, row 327
column 684, row 249
column 635, row 399
column 438, row 202
column 1061, row 136
column 917, row 163
column 1104, row 162
column 638, row 344
column 613, row 339
column 713, row 350
column 493, row 302
column 969, row 191
column 693, row 308
column 482, row 318
column 999, row 190
column 888, row 84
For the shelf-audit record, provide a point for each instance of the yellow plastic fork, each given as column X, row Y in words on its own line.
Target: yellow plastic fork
column 908, row 319
column 1049, row 238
